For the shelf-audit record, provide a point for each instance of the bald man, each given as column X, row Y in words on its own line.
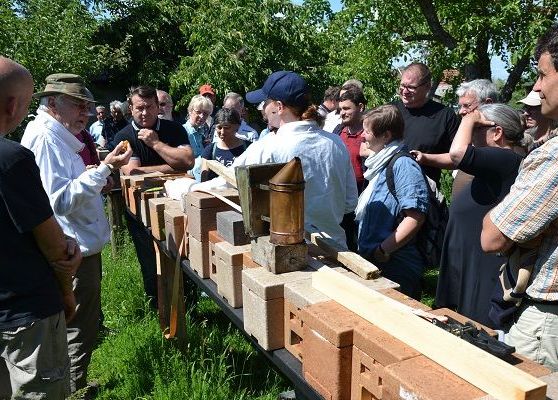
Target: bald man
column 37, row 265
column 165, row 105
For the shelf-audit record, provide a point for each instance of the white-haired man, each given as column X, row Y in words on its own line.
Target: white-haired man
column 75, row 197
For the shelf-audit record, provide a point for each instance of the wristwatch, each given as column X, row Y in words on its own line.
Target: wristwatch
column 110, row 167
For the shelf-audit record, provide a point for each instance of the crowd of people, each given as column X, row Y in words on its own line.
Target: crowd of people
column 369, row 175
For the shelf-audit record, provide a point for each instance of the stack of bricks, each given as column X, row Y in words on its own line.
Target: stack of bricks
column 229, row 263
column 228, row 256
column 327, row 348
column 301, row 294
column 201, row 210
column 263, row 304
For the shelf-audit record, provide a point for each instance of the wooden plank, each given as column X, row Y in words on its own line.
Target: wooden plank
column 360, row 266
column 224, row 172
column 488, row 373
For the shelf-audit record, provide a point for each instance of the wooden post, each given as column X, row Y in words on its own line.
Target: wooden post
column 115, row 210
column 170, row 295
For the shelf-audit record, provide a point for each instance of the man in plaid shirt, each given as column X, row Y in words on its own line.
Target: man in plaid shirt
column 529, row 214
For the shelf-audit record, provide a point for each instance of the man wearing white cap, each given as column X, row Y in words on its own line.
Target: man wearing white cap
column 75, row 197
column 538, row 126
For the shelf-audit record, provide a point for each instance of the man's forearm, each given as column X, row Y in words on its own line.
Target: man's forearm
column 492, row 239
column 53, row 245
column 179, row 158
column 164, row 168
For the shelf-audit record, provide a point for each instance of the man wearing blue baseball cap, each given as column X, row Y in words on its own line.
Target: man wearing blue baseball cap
column 330, row 190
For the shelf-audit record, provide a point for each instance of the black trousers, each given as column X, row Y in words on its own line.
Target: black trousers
column 143, row 242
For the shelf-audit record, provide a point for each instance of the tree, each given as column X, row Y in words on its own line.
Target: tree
column 143, row 40
column 236, row 44
column 461, row 34
column 49, row 36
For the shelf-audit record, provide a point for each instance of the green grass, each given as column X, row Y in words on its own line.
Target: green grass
column 134, row 361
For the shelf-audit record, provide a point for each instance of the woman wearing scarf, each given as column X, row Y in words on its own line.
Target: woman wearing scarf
column 388, row 225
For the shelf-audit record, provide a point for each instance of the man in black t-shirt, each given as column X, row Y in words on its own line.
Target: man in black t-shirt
column 429, row 126
column 37, row 263
column 157, row 145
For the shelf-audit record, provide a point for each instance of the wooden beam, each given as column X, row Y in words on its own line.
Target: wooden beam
column 488, row 373
column 224, row 172
column 360, row 266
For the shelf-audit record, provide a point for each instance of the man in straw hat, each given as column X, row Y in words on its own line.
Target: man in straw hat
column 74, row 192
column 33, row 294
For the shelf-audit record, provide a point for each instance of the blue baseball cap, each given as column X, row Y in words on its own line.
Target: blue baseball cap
column 286, row 86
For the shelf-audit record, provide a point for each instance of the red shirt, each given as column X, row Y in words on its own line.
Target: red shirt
column 89, row 152
column 353, row 146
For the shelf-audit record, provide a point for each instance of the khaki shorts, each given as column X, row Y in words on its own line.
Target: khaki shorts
column 535, row 333
column 36, row 360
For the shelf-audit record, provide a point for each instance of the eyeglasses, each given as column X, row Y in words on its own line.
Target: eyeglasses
column 469, row 107
column 412, row 88
column 81, row 105
column 201, row 112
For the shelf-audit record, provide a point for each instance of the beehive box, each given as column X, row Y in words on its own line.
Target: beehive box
column 202, row 209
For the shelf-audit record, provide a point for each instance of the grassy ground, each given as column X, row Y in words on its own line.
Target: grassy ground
column 133, row 361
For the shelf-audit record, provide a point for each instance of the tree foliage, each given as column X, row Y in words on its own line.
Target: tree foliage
column 462, row 35
column 235, row 44
column 49, row 36
column 144, row 42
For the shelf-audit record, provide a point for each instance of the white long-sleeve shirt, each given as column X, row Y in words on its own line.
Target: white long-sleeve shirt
column 330, row 190
column 74, row 192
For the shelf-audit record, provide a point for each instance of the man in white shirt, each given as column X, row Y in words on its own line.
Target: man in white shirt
column 96, row 128
column 330, row 191
column 75, row 197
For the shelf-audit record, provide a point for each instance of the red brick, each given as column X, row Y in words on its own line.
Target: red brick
column 326, row 367
column 381, row 346
column 332, row 321
column 367, row 377
column 248, row 262
column 402, row 298
column 529, row 366
column 419, row 378
column 373, row 350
